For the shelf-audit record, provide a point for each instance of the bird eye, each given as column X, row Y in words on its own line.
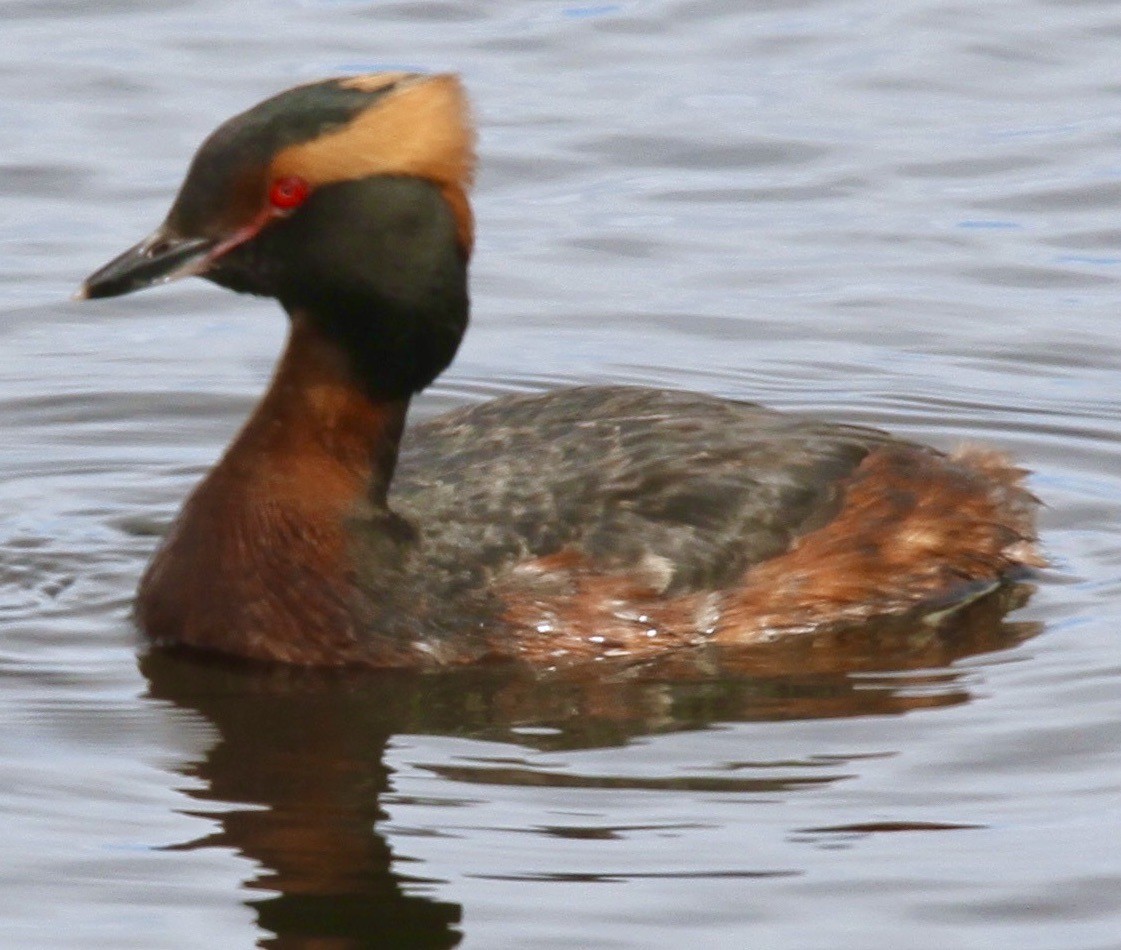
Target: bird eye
column 288, row 193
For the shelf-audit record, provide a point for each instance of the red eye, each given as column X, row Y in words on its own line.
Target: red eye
column 288, row 192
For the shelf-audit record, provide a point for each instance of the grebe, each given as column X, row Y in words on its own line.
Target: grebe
column 550, row 529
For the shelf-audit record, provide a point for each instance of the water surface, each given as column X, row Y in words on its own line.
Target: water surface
column 904, row 216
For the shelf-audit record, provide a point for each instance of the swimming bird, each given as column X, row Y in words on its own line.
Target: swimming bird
column 548, row 529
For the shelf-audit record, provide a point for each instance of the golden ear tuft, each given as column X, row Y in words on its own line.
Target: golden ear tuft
column 421, row 127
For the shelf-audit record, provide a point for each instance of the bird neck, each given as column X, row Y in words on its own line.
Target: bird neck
column 262, row 551
column 319, row 436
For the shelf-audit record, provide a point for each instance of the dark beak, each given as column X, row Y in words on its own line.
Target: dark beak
column 159, row 258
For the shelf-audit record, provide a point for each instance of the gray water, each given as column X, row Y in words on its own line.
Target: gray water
column 900, row 214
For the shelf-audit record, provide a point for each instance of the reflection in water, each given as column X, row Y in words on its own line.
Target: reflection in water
column 300, row 754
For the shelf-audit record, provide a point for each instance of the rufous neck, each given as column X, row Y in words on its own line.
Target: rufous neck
column 317, row 431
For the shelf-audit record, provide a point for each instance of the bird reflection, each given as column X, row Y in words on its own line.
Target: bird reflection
column 297, row 770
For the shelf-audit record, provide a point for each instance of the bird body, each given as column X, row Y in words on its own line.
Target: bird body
column 550, row 529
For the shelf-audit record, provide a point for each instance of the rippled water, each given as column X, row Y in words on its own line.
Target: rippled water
column 903, row 214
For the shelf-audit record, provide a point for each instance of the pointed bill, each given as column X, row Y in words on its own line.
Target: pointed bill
column 159, row 258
